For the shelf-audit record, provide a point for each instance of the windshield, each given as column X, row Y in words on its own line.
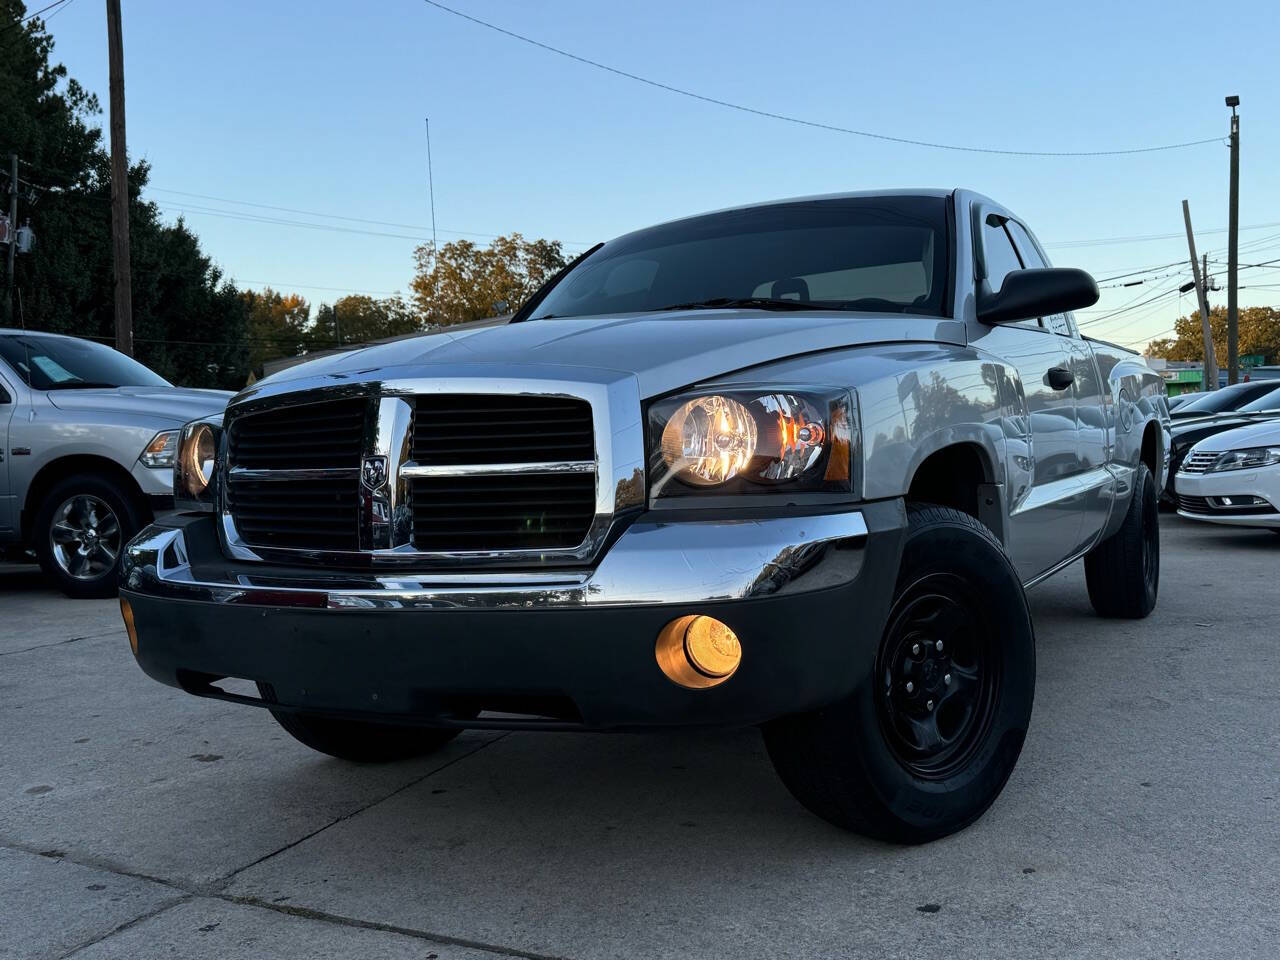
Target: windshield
column 1233, row 397
column 1270, row 400
column 65, row 363
column 882, row 254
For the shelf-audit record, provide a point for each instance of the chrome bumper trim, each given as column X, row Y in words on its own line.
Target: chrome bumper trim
column 651, row 563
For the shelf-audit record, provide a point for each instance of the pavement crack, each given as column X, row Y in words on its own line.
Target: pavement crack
column 60, row 643
column 222, row 882
column 339, row 920
column 120, row 928
column 95, row 863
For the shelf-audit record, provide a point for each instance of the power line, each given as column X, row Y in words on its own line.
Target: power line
column 19, row 23
column 253, row 218
column 280, row 286
column 797, row 120
column 1132, row 305
column 1102, row 241
column 1136, row 272
column 332, row 216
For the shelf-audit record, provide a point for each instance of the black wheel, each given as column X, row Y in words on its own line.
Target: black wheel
column 79, row 531
column 1123, row 572
column 360, row 741
column 928, row 738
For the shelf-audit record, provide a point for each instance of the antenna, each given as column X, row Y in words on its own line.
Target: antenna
column 431, row 192
column 431, row 188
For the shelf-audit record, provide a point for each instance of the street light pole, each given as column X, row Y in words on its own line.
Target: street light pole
column 1233, row 247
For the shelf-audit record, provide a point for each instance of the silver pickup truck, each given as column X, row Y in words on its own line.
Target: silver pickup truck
column 87, row 438
column 790, row 464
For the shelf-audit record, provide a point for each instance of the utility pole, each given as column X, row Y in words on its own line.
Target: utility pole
column 119, row 185
column 13, row 224
column 1210, row 359
column 1233, row 248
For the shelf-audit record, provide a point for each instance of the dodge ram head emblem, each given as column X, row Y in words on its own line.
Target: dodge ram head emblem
column 374, row 472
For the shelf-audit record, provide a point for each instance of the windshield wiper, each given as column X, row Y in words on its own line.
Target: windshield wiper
column 81, row 385
column 757, row 303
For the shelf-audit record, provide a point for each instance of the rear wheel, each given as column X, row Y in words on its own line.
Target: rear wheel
column 78, row 532
column 926, row 741
column 1123, row 572
column 361, row 741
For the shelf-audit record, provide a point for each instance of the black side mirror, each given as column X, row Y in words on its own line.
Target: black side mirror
column 1037, row 292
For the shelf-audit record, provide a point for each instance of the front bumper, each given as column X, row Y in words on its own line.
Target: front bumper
column 1216, row 497
column 808, row 596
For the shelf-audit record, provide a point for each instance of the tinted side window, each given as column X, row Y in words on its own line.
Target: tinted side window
column 998, row 254
column 1058, row 322
column 1026, row 249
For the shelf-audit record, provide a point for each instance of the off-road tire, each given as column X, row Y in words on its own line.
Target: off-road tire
column 841, row 762
column 1123, row 572
column 361, row 741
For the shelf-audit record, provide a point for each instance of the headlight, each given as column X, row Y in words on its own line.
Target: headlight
column 195, row 466
column 1244, row 459
column 159, row 452
column 751, row 441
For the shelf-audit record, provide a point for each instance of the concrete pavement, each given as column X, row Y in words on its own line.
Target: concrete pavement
column 1143, row 819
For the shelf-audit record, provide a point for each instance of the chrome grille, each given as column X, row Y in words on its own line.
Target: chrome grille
column 501, row 472
column 396, row 477
column 1198, row 462
column 1194, row 504
column 294, row 477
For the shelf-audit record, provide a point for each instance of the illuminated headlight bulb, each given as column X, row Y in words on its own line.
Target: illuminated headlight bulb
column 709, row 440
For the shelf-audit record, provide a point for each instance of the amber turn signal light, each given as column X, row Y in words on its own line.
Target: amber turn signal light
column 697, row 651
column 126, row 611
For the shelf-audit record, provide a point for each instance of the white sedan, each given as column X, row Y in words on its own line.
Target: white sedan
column 1233, row 477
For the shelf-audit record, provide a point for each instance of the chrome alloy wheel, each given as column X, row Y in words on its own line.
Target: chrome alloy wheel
column 85, row 537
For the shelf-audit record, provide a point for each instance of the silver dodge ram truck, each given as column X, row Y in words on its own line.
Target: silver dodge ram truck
column 790, row 465
column 87, row 440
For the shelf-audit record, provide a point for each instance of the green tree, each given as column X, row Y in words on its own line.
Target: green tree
column 470, row 282
column 359, row 319
column 278, row 325
column 1259, row 332
column 189, row 324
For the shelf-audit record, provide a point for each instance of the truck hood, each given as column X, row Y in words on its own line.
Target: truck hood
column 664, row 351
column 174, row 404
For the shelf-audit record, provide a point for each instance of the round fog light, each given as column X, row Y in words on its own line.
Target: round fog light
column 698, row 651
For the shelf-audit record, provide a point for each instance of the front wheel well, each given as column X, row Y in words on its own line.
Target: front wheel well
column 1150, row 454
column 57, row 470
column 956, row 476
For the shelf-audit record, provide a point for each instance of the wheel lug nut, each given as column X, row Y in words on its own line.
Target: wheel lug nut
column 911, row 687
column 938, row 646
column 928, row 705
column 946, row 678
column 915, row 649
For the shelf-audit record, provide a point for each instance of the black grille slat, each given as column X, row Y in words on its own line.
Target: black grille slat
column 318, row 514
column 528, row 511
column 321, row 514
column 325, row 434
column 484, row 428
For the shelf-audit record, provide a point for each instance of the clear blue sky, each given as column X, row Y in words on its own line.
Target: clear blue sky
column 320, row 107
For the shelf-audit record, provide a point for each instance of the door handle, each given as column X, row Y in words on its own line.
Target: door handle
column 1060, row 378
